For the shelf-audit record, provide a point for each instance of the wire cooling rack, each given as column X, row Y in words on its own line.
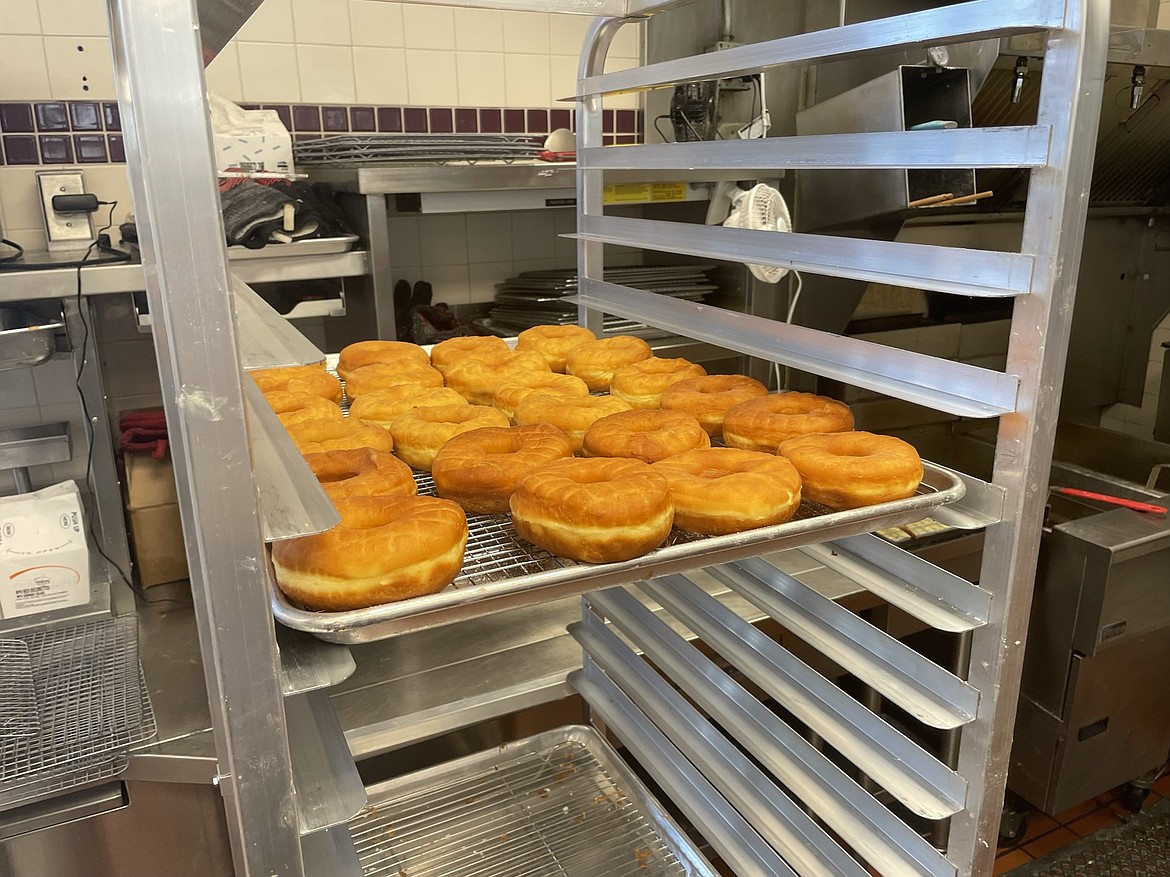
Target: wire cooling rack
column 18, row 705
column 552, row 808
column 91, row 704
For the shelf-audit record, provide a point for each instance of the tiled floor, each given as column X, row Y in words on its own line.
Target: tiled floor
column 1046, row 834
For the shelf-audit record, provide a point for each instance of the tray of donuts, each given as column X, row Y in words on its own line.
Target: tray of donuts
column 484, row 474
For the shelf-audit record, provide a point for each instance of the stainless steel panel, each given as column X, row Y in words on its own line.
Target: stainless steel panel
column 918, row 685
column 508, row 581
column 292, row 501
column 913, row 776
column 933, row 595
column 35, row 445
column 779, row 820
column 737, row 843
column 329, row 790
column 62, row 809
column 973, row 20
column 954, row 387
column 1022, row 146
column 158, row 73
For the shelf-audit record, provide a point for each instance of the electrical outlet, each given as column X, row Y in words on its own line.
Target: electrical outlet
column 73, row 231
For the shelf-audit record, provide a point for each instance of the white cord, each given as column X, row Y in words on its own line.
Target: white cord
column 791, row 311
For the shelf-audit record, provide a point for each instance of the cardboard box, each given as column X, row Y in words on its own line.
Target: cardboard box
column 156, row 531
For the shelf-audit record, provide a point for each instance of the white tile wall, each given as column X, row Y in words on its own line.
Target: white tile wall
column 326, row 74
column 223, row 74
column 20, row 18
column 373, row 23
column 380, row 75
column 321, row 21
column 24, row 71
column 1134, row 419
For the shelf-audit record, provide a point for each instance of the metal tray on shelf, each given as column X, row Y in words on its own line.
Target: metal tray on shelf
column 308, row 247
column 559, row 804
column 502, row 571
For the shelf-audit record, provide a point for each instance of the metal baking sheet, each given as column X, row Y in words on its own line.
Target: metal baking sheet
column 559, row 804
column 311, row 247
column 502, row 571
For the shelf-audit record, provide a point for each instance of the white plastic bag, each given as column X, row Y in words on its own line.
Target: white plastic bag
column 254, row 141
column 44, row 558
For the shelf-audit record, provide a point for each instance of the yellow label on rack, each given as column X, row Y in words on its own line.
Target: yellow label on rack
column 640, row 193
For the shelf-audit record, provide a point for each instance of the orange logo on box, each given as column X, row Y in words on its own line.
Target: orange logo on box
column 76, row 575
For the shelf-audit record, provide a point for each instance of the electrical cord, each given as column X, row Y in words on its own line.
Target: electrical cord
column 13, row 257
column 79, row 373
column 658, row 119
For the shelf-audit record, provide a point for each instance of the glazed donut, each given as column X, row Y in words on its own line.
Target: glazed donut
column 380, row 376
column 848, row 470
column 761, row 424
column 480, row 469
column 709, row 398
column 644, row 435
column 572, row 414
column 386, row 548
column 513, row 390
column 363, row 353
column 728, row 490
column 452, row 350
column 382, row 406
column 361, row 472
column 303, row 379
column 315, row 436
column 295, row 407
column 475, row 378
column 421, row 432
column 594, row 362
column 553, row 342
column 596, row 510
column 641, row 383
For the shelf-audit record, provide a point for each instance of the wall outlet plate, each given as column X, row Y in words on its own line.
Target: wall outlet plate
column 64, row 231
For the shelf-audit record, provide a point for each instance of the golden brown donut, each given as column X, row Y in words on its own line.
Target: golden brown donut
column 642, row 383
column 382, row 406
column 386, row 548
column 708, row 399
column 361, row 472
column 476, row 377
column 553, row 342
column 480, row 469
column 572, row 414
column 594, row 362
column 848, row 470
column 644, row 435
column 295, row 407
column 380, row 376
column 421, row 432
column 303, row 379
column 596, row 510
column 514, row 389
column 728, row 490
column 452, row 350
column 363, row 353
column 761, row 424
column 315, row 436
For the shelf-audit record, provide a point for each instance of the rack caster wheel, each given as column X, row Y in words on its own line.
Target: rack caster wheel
column 1132, row 797
column 1012, row 826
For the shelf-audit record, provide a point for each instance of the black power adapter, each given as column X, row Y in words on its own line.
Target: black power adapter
column 83, row 203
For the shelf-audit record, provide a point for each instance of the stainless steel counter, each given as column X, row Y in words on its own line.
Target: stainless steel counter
column 405, row 689
column 16, row 285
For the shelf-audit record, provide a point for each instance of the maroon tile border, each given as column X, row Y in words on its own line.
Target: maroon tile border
column 63, row 132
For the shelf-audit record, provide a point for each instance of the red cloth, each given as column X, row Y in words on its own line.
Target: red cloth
column 144, row 431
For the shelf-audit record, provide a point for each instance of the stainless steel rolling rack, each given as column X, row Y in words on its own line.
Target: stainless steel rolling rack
column 792, row 810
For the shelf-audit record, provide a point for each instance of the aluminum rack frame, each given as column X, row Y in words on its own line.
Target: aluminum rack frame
column 158, row 73
column 960, row 787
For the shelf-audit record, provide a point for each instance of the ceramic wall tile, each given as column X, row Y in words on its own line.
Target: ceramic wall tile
column 526, row 80
column 380, row 74
column 432, row 78
column 376, row 23
column 428, row 27
column 223, row 74
column 69, row 17
column 321, row 22
column 269, row 72
column 80, row 67
column 479, row 30
column 326, row 74
column 24, row 71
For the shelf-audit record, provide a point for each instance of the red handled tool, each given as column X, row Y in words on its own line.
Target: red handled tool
column 1112, row 500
